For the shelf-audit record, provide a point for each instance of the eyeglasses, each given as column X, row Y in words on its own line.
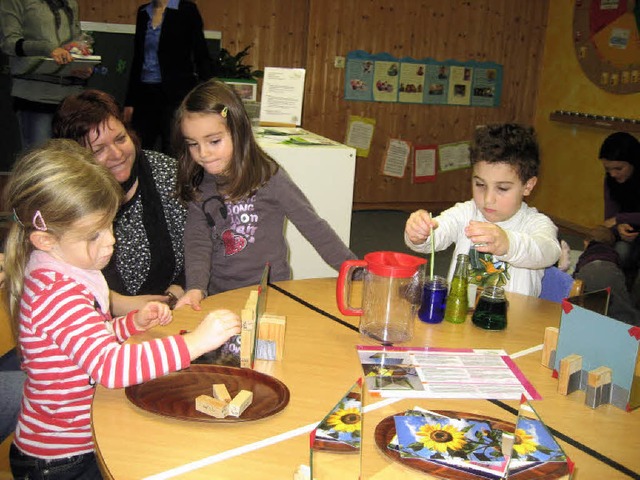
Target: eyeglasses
column 223, row 210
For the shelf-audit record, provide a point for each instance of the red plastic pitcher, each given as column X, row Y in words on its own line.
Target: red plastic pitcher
column 390, row 296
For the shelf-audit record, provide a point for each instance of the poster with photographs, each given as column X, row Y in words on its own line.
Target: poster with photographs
column 437, row 84
column 359, row 76
column 383, row 78
column 411, row 82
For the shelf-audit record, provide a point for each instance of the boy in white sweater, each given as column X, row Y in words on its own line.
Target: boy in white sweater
column 510, row 244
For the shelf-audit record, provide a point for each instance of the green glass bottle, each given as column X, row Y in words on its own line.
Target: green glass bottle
column 457, row 301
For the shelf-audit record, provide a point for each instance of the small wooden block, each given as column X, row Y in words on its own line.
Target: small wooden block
column 598, row 390
column 549, row 346
column 303, row 472
column 272, row 329
column 240, row 403
column 220, row 392
column 252, row 301
column 599, row 376
column 211, row 406
column 569, row 375
column 247, row 336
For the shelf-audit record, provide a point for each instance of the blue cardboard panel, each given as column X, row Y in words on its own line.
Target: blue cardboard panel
column 600, row 340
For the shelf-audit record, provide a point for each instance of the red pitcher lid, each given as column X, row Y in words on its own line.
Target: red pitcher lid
column 393, row 264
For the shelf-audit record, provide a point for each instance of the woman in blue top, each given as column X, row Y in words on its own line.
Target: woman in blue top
column 170, row 57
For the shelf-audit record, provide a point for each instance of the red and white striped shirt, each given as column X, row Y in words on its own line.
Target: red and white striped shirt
column 68, row 345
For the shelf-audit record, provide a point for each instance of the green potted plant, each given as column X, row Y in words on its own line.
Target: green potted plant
column 231, row 69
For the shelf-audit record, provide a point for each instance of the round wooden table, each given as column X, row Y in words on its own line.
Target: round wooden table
column 320, row 364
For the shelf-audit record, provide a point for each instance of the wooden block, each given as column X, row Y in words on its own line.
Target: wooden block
column 570, row 372
column 220, row 392
column 272, row 329
column 252, row 301
column 303, row 472
column 598, row 390
column 247, row 336
column 240, row 403
column 211, row 406
column 549, row 347
column 599, row 376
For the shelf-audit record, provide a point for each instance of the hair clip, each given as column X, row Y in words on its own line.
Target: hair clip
column 224, row 112
column 17, row 219
column 38, row 222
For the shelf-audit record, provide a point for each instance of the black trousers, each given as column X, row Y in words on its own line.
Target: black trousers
column 152, row 118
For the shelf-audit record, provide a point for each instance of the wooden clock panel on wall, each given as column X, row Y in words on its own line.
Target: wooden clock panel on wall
column 607, row 42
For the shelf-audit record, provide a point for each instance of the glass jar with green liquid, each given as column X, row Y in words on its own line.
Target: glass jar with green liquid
column 457, row 301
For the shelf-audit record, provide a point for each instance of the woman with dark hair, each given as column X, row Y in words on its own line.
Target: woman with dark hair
column 620, row 157
column 170, row 57
column 149, row 226
column 30, row 29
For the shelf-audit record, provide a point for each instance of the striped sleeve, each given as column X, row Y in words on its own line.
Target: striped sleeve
column 67, row 316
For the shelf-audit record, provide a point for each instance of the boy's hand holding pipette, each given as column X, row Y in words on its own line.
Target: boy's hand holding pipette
column 216, row 328
column 152, row 315
column 487, row 237
column 419, row 226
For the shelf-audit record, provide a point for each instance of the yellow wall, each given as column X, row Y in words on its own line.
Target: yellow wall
column 570, row 184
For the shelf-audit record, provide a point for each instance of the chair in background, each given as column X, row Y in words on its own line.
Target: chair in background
column 558, row 285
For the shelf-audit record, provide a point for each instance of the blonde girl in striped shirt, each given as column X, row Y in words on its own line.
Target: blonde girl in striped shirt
column 63, row 205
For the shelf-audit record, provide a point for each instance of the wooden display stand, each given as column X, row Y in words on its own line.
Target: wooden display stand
column 597, row 354
column 269, row 330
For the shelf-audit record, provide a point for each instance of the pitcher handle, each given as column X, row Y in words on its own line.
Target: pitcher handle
column 344, row 284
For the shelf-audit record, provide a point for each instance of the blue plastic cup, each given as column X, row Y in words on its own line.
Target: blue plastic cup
column 434, row 300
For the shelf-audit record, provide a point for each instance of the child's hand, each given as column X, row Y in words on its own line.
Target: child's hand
column 626, row 231
column 216, row 328
column 419, row 226
column 488, row 237
column 152, row 315
column 191, row 297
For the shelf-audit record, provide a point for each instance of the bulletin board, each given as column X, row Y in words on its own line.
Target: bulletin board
column 606, row 35
column 114, row 42
column 384, row 78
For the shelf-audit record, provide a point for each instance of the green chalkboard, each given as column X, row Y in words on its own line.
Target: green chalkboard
column 114, row 42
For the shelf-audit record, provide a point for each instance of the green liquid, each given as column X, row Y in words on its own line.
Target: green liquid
column 490, row 314
column 457, row 301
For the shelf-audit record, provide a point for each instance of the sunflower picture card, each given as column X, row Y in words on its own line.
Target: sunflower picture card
column 343, row 424
column 436, row 437
column 533, row 441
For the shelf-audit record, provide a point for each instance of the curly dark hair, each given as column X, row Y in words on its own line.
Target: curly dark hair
column 509, row 143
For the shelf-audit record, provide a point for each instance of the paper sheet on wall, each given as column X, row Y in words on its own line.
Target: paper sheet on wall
column 282, row 95
column 453, row 156
column 359, row 134
column 396, row 156
column 460, row 85
column 424, row 163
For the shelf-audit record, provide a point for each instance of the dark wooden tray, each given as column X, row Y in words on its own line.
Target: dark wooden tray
column 386, row 430
column 174, row 395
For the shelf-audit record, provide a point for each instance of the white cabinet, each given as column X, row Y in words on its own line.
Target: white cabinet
column 324, row 170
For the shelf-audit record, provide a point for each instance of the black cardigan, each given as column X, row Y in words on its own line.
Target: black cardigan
column 182, row 52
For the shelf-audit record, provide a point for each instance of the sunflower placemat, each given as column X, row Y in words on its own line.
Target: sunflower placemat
column 341, row 429
column 464, row 446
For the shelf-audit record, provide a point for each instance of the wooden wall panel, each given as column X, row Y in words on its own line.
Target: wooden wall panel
column 310, row 33
column 510, row 32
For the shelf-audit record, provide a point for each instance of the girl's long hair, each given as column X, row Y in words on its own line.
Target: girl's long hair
column 623, row 147
column 63, row 183
column 250, row 166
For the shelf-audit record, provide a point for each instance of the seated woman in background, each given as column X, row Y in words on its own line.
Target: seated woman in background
column 599, row 267
column 149, row 253
column 620, row 157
